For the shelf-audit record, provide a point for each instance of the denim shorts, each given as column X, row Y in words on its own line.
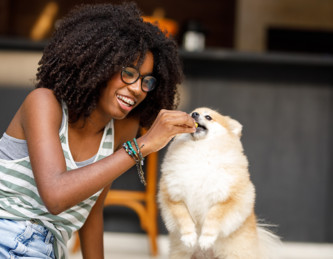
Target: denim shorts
column 25, row 239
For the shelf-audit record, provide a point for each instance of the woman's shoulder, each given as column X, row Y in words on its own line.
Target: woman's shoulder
column 41, row 98
column 41, row 93
column 42, row 105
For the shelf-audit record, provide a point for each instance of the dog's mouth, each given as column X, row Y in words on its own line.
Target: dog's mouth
column 201, row 131
column 200, row 128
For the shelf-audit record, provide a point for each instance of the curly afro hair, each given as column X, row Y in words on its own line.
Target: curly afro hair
column 93, row 43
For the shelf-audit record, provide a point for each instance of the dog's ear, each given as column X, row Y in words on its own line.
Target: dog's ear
column 235, row 127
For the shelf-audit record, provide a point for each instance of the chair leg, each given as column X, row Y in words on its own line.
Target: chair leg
column 151, row 205
column 152, row 234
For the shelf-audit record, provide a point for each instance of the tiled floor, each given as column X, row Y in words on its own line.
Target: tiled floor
column 136, row 246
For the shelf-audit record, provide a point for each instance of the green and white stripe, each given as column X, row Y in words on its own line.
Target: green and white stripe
column 20, row 200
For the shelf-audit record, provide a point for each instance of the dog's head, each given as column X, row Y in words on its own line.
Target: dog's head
column 212, row 123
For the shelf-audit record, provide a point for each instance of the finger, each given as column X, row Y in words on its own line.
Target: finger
column 185, row 122
column 178, row 118
column 179, row 129
column 184, row 129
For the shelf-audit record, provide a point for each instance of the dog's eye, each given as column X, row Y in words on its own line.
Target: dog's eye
column 208, row 117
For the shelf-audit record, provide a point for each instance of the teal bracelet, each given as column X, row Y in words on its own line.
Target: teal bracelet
column 137, row 148
column 137, row 156
column 130, row 147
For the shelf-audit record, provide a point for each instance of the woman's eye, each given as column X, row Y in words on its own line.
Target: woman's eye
column 208, row 117
column 128, row 74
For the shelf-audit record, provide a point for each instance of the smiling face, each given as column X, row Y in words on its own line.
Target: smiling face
column 118, row 98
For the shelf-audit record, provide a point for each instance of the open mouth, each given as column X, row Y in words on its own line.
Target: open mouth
column 126, row 101
column 200, row 128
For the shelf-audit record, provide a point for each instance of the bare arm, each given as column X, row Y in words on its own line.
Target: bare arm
column 40, row 117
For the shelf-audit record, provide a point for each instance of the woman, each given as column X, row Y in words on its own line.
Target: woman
column 104, row 74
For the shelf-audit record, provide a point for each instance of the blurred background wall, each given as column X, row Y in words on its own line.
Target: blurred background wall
column 267, row 63
column 245, row 25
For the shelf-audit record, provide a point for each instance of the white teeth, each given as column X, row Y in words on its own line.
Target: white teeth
column 126, row 100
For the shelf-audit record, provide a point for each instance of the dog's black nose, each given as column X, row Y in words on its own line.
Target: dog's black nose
column 195, row 115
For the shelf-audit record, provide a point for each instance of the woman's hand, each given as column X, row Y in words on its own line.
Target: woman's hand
column 167, row 125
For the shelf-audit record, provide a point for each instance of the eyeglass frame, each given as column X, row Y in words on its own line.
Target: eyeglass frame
column 139, row 77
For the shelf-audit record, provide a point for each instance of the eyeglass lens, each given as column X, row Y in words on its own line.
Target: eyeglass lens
column 130, row 75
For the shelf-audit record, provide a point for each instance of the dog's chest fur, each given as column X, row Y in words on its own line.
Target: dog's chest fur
column 197, row 175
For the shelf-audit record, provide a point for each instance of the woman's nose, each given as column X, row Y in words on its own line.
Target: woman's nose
column 135, row 87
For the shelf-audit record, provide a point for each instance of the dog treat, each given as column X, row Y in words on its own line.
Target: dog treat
column 196, row 125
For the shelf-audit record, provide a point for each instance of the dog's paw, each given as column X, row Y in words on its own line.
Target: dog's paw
column 207, row 241
column 190, row 239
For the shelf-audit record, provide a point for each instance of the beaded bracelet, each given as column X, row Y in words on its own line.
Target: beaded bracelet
column 137, row 156
column 138, row 149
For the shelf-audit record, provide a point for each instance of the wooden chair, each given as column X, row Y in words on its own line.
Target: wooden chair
column 142, row 202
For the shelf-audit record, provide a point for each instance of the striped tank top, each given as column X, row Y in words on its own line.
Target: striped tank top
column 20, row 200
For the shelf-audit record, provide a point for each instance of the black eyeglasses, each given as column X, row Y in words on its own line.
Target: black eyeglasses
column 129, row 75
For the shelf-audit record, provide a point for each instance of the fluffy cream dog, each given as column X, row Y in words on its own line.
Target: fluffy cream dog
column 206, row 196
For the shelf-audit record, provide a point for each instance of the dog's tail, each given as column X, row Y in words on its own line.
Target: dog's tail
column 270, row 244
